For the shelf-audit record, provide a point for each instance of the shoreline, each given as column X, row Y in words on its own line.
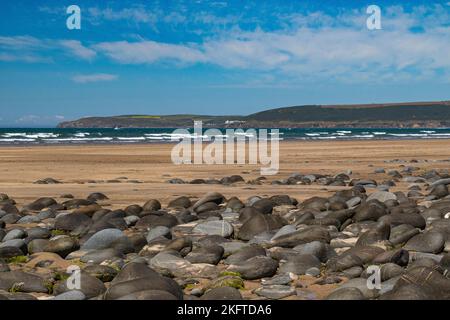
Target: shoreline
column 156, row 143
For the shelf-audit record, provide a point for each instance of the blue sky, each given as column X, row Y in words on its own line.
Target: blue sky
column 215, row 57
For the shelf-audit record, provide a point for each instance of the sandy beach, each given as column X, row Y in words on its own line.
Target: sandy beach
column 151, row 166
column 213, row 245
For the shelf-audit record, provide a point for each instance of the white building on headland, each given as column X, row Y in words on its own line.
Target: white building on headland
column 234, row 122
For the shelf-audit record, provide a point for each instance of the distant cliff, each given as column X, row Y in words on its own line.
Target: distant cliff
column 402, row 115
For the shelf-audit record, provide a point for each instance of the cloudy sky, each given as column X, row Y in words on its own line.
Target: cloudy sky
column 215, row 57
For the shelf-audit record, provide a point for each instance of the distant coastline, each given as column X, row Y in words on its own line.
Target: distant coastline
column 390, row 115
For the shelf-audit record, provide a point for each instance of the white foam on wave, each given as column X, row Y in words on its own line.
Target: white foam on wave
column 131, row 138
column 81, row 134
column 13, row 134
column 79, row 139
column 271, row 139
column 363, row 136
column 17, row 140
column 38, row 135
column 249, row 135
column 408, row 134
column 326, row 138
column 183, row 135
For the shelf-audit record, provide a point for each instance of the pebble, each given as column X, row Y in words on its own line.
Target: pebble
column 102, row 239
column 156, row 232
column 382, row 196
column 222, row 293
column 275, row 291
column 255, row 268
column 221, row 228
column 349, row 293
column 281, row 279
column 70, row 295
column 300, row 264
column 430, row 242
column 14, row 234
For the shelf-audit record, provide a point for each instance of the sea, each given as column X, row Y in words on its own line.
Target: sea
column 51, row 136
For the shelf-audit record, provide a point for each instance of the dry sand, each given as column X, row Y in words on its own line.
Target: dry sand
column 151, row 164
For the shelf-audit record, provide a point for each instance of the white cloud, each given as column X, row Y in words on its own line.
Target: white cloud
column 137, row 15
column 316, row 46
column 74, row 47
column 30, row 49
column 27, row 58
column 53, row 10
column 306, row 46
column 308, row 52
column 22, row 42
column 23, row 49
column 96, row 77
column 149, row 52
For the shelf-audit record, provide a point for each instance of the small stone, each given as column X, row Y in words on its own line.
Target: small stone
column 172, row 265
column 221, row 228
column 101, row 272
column 131, row 220
column 314, row 272
column 102, row 239
column 17, row 243
column 278, row 279
column 431, row 242
column 222, row 293
column 244, row 254
column 346, row 294
column 275, row 291
column 29, row 219
column 207, row 254
column 70, row 295
column 283, row 231
column 152, row 205
column 299, row 264
column 382, row 196
column 156, row 232
column 180, row 202
column 62, row 246
column 97, row 196
column 15, row 234
column 256, row 268
column 90, row 286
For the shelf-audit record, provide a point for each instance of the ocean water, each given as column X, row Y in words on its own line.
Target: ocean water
column 19, row 136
